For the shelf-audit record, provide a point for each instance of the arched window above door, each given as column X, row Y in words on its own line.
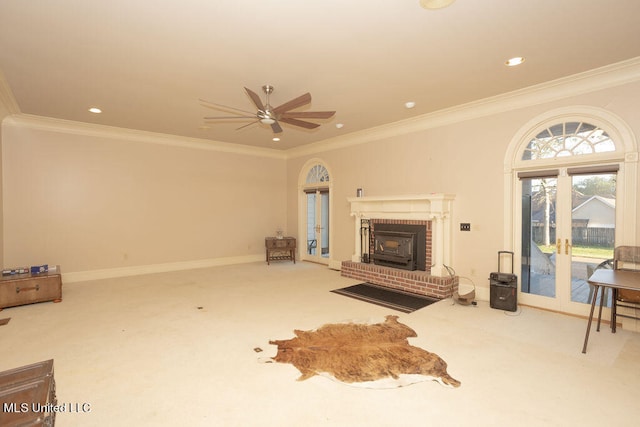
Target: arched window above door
column 566, row 139
column 317, row 174
column 571, row 136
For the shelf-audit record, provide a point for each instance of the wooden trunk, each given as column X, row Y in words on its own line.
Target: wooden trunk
column 28, row 395
column 20, row 289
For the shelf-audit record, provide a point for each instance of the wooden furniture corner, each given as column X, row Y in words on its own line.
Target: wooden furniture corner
column 28, row 395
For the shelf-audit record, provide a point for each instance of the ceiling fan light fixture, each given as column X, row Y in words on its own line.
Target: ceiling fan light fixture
column 273, row 117
column 435, row 4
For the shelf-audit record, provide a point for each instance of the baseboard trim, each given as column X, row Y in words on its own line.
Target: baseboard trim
column 82, row 276
column 335, row 265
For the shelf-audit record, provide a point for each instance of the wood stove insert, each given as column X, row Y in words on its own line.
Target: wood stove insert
column 399, row 246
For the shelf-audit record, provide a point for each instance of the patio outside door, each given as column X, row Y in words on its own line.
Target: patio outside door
column 568, row 230
column 317, row 242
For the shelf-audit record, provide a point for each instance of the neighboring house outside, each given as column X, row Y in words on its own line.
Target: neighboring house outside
column 594, row 222
column 596, row 212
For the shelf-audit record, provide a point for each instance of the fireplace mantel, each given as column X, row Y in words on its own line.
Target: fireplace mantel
column 435, row 207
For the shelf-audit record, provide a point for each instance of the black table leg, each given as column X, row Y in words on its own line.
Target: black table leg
column 602, row 288
column 614, row 309
column 593, row 306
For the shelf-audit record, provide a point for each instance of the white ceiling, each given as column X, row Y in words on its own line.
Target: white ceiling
column 146, row 63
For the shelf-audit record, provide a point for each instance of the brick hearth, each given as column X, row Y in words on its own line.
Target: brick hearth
column 417, row 282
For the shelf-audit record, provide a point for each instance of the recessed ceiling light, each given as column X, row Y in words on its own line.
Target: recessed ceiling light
column 409, row 104
column 512, row 62
column 276, row 139
column 95, row 110
column 435, row 4
column 339, row 125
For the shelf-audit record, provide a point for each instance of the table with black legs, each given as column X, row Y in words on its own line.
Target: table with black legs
column 614, row 279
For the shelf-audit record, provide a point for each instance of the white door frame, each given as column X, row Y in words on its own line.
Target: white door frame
column 302, row 212
column 626, row 156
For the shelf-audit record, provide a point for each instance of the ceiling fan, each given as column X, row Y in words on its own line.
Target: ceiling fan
column 269, row 115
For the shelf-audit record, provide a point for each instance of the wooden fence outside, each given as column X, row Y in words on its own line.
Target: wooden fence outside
column 582, row 236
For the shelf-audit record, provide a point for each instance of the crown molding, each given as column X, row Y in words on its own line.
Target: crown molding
column 8, row 104
column 590, row 81
column 95, row 130
column 597, row 79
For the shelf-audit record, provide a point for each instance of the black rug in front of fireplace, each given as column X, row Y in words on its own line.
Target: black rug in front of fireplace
column 390, row 298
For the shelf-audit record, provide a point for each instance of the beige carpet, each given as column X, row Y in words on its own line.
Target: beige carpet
column 177, row 349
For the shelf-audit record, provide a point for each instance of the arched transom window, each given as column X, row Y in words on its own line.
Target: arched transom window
column 568, row 139
column 317, row 174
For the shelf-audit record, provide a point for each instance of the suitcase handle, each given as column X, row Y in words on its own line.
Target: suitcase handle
column 31, row 288
column 505, row 252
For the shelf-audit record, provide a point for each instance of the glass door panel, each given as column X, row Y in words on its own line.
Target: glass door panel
column 324, row 221
column 539, row 236
column 593, row 225
column 312, row 241
column 317, row 228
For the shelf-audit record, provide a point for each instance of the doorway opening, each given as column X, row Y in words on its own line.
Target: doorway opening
column 315, row 213
column 570, row 181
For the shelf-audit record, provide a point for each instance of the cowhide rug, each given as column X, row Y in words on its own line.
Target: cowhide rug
column 364, row 354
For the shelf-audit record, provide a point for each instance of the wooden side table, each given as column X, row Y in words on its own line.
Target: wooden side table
column 280, row 249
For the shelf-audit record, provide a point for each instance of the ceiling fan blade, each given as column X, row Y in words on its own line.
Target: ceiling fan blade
column 225, row 107
column 294, row 103
column 276, row 127
column 249, row 124
column 255, row 98
column 228, row 117
column 301, row 123
column 308, row 114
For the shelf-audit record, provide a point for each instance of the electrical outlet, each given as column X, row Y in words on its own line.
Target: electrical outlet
column 465, row 226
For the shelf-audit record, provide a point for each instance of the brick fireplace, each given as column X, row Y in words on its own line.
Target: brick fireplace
column 432, row 212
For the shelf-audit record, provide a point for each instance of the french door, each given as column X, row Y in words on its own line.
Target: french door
column 317, row 227
column 568, row 220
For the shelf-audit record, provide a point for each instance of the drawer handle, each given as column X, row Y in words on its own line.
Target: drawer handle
column 31, row 288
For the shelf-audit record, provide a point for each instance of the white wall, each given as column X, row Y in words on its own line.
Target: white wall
column 465, row 158
column 91, row 202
